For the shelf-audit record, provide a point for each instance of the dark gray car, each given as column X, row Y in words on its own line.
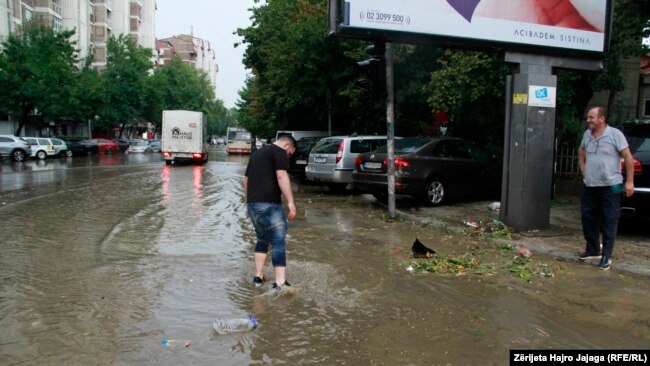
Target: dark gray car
column 430, row 170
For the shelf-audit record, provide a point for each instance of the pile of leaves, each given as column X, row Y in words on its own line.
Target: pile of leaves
column 494, row 230
column 518, row 261
column 438, row 263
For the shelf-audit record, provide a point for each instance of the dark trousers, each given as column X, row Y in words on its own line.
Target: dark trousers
column 600, row 212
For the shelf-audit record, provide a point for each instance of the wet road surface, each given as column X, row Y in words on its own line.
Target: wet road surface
column 102, row 258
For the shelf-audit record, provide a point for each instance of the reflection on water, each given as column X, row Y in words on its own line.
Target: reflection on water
column 99, row 265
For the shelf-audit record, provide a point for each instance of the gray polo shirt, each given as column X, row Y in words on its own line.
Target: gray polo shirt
column 603, row 166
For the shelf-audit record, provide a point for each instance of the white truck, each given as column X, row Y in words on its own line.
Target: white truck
column 184, row 137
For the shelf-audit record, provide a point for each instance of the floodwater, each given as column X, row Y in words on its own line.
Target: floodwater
column 102, row 258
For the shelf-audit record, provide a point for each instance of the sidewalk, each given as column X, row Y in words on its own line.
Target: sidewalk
column 562, row 239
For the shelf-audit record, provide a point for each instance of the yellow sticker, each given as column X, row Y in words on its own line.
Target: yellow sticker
column 520, row 99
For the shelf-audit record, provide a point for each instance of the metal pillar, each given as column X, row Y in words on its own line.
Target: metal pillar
column 529, row 138
column 390, row 129
column 528, row 155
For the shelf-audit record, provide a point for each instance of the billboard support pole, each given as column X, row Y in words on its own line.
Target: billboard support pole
column 390, row 129
column 528, row 150
column 529, row 138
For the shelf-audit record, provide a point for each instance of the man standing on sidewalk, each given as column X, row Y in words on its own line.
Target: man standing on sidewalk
column 600, row 154
column 265, row 182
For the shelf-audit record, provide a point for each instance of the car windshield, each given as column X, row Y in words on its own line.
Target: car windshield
column 327, row 146
column 139, row 143
column 304, row 145
column 405, row 146
column 638, row 137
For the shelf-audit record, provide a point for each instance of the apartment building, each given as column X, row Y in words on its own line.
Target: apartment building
column 196, row 52
column 94, row 21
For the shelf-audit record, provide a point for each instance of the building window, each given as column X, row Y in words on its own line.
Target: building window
column 27, row 14
column 57, row 24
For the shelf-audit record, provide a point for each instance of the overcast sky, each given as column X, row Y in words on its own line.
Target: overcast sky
column 214, row 21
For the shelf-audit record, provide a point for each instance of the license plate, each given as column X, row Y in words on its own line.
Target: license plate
column 320, row 160
column 371, row 165
column 183, row 155
column 301, row 162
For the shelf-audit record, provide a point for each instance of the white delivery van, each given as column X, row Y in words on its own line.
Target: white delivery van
column 297, row 135
column 184, row 137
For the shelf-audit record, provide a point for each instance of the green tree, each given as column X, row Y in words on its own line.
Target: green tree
column 248, row 107
column 302, row 77
column 124, row 83
column 86, row 98
column 295, row 68
column 631, row 24
column 219, row 117
column 177, row 85
column 470, row 85
column 38, row 73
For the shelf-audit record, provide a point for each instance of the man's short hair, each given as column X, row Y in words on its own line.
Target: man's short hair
column 600, row 110
column 288, row 138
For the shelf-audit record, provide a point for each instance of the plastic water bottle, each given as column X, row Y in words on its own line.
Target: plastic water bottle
column 175, row 342
column 237, row 325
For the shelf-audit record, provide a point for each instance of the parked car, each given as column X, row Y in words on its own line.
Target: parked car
column 156, row 146
column 60, row 147
column 139, row 146
column 104, row 146
column 14, row 147
column 80, row 147
column 122, row 144
column 430, row 170
column 638, row 137
column 298, row 161
column 41, row 147
column 331, row 161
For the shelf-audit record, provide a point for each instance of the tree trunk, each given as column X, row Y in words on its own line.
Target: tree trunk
column 24, row 118
column 610, row 103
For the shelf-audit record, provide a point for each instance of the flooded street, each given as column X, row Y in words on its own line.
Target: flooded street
column 102, row 258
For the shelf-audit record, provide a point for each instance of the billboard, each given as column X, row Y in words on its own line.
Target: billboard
column 572, row 26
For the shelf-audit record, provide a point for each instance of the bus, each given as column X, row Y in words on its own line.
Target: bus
column 239, row 141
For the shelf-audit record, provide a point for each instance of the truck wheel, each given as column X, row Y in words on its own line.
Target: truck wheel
column 168, row 162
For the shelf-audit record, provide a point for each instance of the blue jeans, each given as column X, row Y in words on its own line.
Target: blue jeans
column 600, row 212
column 271, row 225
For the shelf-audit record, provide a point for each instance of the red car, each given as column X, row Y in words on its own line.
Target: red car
column 106, row 146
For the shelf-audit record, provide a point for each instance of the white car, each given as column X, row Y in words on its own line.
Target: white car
column 331, row 160
column 60, row 148
column 41, row 147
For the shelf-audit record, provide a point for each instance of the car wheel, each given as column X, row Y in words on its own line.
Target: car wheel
column 434, row 192
column 18, row 155
column 41, row 155
column 67, row 153
column 109, row 151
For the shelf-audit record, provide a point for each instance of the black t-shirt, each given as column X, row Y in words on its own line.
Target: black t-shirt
column 262, row 180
